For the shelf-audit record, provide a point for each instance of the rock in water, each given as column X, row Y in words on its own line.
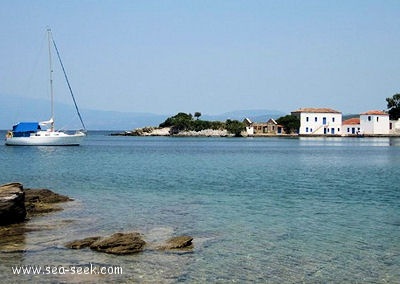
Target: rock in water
column 45, row 196
column 120, row 243
column 181, row 242
column 38, row 201
column 79, row 244
column 12, row 203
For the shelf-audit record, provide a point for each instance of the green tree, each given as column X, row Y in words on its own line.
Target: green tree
column 290, row 123
column 179, row 119
column 217, row 125
column 197, row 114
column 235, row 127
column 393, row 105
column 185, row 122
column 199, row 125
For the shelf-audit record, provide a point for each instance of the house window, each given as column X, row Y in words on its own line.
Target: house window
column 307, row 118
column 306, row 129
column 310, row 129
column 377, row 119
column 390, row 126
column 333, row 119
column 369, row 118
column 316, row 119
column 348, row 129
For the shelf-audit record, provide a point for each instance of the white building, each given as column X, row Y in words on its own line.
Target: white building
column 374, row 122
column 249, row 126
column 351, row 126
column 319, row 121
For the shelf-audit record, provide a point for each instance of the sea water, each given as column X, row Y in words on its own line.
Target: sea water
column 264, row 210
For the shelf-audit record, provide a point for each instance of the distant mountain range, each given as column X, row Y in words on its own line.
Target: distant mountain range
column 256, row 115
column 16, row 109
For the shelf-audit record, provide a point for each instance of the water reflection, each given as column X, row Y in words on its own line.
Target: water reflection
column 349, row 141
column 13, row 237
column 394, row 141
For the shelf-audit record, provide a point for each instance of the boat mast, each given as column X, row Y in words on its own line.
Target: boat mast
column 69, row 85
column 51, row 80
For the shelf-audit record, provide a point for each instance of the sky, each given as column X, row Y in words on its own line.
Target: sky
column 208, row 56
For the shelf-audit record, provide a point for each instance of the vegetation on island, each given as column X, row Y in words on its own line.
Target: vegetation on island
column 393, row 105
column 186, row 122
column 290, row 123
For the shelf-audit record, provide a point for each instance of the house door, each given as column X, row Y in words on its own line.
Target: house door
column 353, row 131
column 332, row 130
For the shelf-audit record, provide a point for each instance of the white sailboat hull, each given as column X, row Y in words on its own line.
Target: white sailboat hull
column 47, row 138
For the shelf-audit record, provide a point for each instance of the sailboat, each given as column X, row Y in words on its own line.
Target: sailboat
column 43, row 133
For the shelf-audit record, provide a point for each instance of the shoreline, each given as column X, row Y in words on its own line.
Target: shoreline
column 26, row 204
column 156, row 131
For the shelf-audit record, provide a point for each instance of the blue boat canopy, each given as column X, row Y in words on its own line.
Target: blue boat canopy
column 26, row 127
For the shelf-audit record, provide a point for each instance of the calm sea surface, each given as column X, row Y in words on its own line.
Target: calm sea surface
column 269, row 210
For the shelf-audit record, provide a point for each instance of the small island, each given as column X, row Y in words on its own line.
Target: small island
column 186, row 124
column 309, row 121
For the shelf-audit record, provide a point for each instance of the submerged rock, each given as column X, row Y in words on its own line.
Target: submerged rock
column 120, row 243
column 79, row 244
column 129, row 243
column 12, row 203
column 38, row 201
column 181, row 242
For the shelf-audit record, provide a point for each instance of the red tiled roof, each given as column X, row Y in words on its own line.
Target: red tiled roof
column 354, row 120
column 317, row 110
column 375, row 112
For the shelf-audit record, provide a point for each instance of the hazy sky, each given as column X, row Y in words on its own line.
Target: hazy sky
column 208, row 56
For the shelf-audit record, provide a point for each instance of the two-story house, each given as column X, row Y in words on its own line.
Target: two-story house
column 319, row 121
column 374, row 122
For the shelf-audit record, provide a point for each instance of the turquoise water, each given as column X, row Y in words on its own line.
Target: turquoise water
column 269, row 210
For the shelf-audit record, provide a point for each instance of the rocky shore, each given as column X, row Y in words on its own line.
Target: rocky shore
column 145, row 131
column 19, row 205
column 166, row 131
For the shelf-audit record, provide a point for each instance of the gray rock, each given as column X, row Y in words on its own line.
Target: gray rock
column 12, row 203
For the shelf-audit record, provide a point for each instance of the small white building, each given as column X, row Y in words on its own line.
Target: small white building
column 351, row 126
column 374, row 122
column 319, row 121
column 249, row 126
